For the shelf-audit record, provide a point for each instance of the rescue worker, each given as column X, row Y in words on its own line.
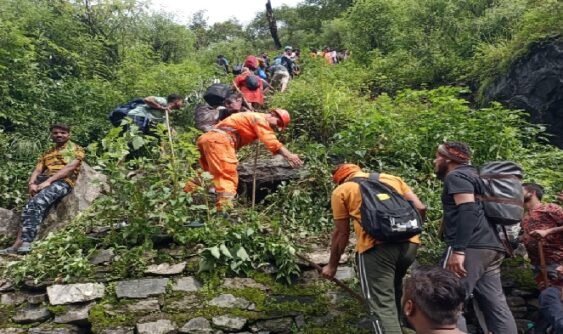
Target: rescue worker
column 218, row 149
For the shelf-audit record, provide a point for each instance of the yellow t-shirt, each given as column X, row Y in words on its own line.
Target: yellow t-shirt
column 57, row 157
column 346, row 202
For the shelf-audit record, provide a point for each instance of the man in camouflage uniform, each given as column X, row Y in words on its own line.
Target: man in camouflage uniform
column 53, row 178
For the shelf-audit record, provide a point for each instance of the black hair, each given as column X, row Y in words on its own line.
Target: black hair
column 220, row 56
column 61, row 126
column 459, row 146
column 233, row 97
column 437, row 293
column 536, row 188
column 173, row 98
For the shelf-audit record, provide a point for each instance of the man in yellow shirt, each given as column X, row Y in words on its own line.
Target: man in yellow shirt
column 53, row 178
column 382, row 266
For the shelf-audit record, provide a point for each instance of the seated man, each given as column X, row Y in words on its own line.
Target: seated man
column 218, row 149
column 153, row 110
column 61, row 165
column 432, row 300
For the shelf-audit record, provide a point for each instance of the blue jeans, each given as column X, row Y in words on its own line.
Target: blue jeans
column 551, row 309
column 39, row 205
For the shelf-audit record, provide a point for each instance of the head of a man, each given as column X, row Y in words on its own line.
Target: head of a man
column 60, row 133
column 233, row 102
column 532, row 192
column 343, row 171
column 449, row 155
column 432, row 297
column 175, row 101
column 278, row 118
column 288, row 50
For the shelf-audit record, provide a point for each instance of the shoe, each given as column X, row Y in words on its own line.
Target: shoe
column 24, row 248
column 9, row 250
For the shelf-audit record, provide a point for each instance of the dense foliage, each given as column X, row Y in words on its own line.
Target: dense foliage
column 386, row 109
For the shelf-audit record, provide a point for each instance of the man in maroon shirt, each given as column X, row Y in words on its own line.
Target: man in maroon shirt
column 542, row 221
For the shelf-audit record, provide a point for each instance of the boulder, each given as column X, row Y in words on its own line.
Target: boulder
column 74, row 293
column 141, row 288
column 89, row 185
column 157, row 327
column 533, row 83
column 186, row 284
column 198, row 325
column 9, row 225
column 229, row 323
column 30, row 314
column 14, row 298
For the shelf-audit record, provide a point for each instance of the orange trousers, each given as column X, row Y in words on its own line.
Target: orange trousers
column 219, row 158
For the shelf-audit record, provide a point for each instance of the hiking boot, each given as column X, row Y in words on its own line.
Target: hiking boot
column 24, row 248
column 9, row 250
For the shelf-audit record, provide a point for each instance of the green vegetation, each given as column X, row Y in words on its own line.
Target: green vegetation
column 407, row 88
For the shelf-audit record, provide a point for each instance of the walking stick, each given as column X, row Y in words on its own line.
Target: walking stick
column 171, row 149
column 335, row 280
column 254, row 176
column 543, row 267
column 248, row 105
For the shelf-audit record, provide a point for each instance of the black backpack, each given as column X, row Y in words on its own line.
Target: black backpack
column 120, row 112
column 386, row 215
column 216, row 94
column 252, row 82
column 502, row 195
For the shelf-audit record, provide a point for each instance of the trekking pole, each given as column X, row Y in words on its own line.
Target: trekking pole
column 334, row 279
column 257, row 148
column 170, row 135
column 248, row 105
column 543, row 267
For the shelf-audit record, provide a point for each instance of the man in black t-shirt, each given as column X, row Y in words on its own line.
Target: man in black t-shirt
column 475, row 251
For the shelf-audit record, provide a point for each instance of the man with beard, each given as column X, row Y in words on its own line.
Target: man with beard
column 542, row 221
column 475, row 252
column 53, row 178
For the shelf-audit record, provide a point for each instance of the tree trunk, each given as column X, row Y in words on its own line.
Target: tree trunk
column 272, row 24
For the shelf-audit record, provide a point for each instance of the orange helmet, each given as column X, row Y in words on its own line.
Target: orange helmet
column 343, row 171
column 283, row 115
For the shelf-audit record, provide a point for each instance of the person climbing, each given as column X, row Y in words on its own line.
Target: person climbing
column 286, row 59
column 53, row 178
column 249, row 84
column 382, row 265
column 222, row 62
column 153, row 109
column 212, row 111
column 218, row 149
column 280, row 77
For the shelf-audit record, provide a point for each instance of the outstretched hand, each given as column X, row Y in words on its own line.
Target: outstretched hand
column 294, row 160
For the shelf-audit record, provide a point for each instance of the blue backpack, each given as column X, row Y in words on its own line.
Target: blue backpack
column 120, row 112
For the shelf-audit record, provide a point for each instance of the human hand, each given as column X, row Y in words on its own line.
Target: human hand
column 455, row 264
column 328, row 271
column 539, row 234
column 32, row 189
column 43, row 185
column 294, row 160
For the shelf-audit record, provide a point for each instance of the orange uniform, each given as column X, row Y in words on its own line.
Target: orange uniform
column 218, row 149
column 251, row 96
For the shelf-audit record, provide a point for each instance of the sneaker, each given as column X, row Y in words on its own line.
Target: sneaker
column 24, row 248
column 9, row 250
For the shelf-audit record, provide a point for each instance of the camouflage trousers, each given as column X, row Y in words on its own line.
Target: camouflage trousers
column 36, row 208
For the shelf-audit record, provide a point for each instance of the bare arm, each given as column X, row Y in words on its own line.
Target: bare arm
column 61, row 174
column 293, row 159
column 151, row 102
column 546, row 232
column 31, row 186
column 340, row 236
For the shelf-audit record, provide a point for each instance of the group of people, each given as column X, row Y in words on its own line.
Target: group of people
column 432, row 300
column 330, row 55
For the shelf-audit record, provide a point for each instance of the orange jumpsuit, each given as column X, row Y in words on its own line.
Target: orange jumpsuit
column 218, row 150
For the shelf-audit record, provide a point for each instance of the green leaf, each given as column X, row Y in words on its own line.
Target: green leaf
column 137, row 142
column 225, row 251
column 215, row 251
column 242, row 254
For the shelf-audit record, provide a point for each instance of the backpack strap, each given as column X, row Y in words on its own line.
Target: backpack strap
column 374, row 176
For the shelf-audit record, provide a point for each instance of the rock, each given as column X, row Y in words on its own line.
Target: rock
column 35, row 299
column 534, row 84
column 229, row 301
column 519, row 312
column 321, row 257
column 89, row 185
column 293, row 299
column 74, row 293
column 158, row 327
column 280, row 325
column 242, row 283
column 534, row 302
column 32, row 313
column 13, row 331
column 198, row 325
column 144, row 306
column 166, row 269
column 6, row 285
column 300, row 321
column 513, row 301
column 119, row 330
column 523, row 293
column 9, row 225
column 186, row 284
column 141, row 288
column 76, row 314
column 14, row 298
column 102, row 256
column 345, row 274
column 229, row 323
column 59, row 329
column 186, row 303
